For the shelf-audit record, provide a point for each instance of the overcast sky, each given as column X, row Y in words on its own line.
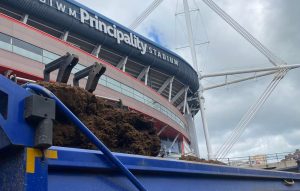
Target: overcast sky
column 274, row 22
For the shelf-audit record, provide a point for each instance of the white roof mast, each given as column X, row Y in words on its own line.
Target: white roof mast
column 200, row 91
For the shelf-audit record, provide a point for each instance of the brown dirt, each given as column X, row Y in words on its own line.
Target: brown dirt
column 196, row 159
column 119, row 129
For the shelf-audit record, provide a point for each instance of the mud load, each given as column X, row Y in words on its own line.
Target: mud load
column 120, row 130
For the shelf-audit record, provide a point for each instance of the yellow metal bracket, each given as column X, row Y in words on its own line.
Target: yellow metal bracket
column 33, row 153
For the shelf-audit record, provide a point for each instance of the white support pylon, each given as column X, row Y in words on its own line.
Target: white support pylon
column 204, row 123
column 195, row 64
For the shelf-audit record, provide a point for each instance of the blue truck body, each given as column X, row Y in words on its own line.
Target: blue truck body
column 25, row 168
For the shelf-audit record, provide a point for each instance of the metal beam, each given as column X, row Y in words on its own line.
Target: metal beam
column 122, row 63
column 96, row 50
column 170, row 89
column 192, row 10
column 190, row 33
column 188, row 108
column 25, row 79
column 185, row 105
column 196, row 44
column 165, row 84
column 204, row 123
column 185, row 99
column 178, row 95
column 174, row 141
column 162, row 130
column 226, row 73
column 143, row 73
column 146, row 76
column 237, row 81
column 180, row 105
column 145, row 14
column 25, row 19
column 64, row 36
column 193, row 133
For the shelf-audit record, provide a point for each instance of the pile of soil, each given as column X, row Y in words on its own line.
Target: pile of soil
column 118, row 128
column 196, row 159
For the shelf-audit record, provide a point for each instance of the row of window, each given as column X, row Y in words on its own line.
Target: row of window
column 130, row 92
column 38, row 54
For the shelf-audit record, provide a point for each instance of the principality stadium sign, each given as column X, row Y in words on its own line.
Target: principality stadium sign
column 109, row 29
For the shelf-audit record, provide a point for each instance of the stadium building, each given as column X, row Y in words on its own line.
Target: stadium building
column 147, row 77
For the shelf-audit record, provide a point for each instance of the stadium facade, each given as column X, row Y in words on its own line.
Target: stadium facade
column 147, row 77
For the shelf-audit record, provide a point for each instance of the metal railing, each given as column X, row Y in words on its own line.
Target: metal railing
column 275, row 160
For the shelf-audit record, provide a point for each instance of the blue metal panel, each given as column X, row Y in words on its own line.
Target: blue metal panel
column 13, row 173
column 15, row 128
column 38, row 181
column 90, row 170
column 160, row 182
column 12, row 169
column 78, row 169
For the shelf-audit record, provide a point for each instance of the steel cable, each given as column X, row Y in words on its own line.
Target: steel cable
column 247, row 122
column 145, row 14
column 247, row 113
column 249, row 116
column 271, row 57
column 227, row 146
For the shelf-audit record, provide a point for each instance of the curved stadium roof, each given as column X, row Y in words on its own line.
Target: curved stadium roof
column 155, row 56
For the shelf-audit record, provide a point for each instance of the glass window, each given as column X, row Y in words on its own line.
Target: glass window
column 113, row 84
column 127, row 93
column 167, row 144
column 138, row 96
column 116, row 88
column 5, row 38
column 50, row 55
column 27, row 46
column 127, row 90
column 27, row 54
column 148, row 100
column 156, row 106
column 27, row 50
column 103, row 80
column 175, row 148
column 46, row 60
column 5, row 42
column 77, row 68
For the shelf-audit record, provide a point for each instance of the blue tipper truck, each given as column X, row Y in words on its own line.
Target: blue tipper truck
column 28, row 161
